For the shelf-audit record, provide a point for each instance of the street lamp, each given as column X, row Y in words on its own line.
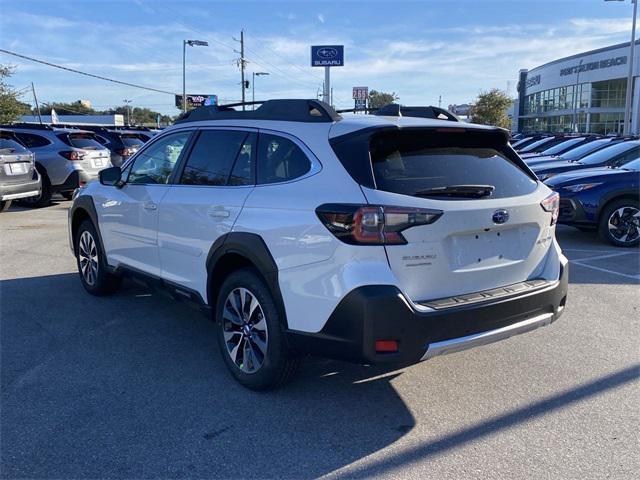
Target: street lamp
column 626, row 129
column 253, row 86
column 128, row 108
column 191, row 43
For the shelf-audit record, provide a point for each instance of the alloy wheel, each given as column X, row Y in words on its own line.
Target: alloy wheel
column 624, row 224
column 88, row 258
column 245, row 330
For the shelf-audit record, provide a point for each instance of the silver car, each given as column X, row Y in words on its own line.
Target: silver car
column 18, row 175
column 65, row 157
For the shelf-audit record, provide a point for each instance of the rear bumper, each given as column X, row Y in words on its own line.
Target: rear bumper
column 73, row 181
column 381, row 312
column 20, row 190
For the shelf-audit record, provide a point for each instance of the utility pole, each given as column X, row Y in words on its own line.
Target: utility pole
column 628, row 100
column 440, row 101
column 242, row 64
column 35, row 98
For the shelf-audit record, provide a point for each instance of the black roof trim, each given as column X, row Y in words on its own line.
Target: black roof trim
column 287, row 110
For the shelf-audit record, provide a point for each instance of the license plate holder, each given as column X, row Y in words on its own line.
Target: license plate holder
column 16, row 168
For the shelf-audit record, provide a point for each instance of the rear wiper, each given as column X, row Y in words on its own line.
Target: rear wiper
column 468, row 191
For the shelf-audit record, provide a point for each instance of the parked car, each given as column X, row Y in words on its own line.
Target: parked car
column 614, row 155
column 520, row 144
column 18, row 175
column 121, row 143
column 542, row 144
column 65, row 158
column 568, row 143
column 360, row 237
column 605, row 199
column 574, row 154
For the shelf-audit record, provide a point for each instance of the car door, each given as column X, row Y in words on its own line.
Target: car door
column 128, row 215
column 213, row 183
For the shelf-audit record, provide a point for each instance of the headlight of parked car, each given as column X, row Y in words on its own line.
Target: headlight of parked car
column 580, row 187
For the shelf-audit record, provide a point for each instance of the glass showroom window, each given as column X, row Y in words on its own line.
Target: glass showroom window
column 609, row 94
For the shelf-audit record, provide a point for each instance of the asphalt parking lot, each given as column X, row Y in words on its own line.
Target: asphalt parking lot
column 132, row 386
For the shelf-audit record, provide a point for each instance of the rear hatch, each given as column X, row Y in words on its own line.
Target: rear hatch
column 93, row 156
column 16, row 162
column 493, row 230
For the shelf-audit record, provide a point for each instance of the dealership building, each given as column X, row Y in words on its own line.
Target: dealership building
column 580, row 93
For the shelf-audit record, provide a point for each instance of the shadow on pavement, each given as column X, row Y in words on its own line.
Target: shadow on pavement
column 132, row 385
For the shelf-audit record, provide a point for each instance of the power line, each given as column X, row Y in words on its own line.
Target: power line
column 85, row 73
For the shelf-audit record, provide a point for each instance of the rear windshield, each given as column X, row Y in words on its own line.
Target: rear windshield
column 9, row 145
column 131, row 140
column 579, row 152
column 411, row 163
column 562, row 146
column 87, row 141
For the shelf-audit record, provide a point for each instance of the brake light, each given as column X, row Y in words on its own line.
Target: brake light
column 72, row 155
column 551, row 204
column 373, row 224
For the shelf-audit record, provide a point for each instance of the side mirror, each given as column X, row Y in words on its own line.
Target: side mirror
column 111, row 176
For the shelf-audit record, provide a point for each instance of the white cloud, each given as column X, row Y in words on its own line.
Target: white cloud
column 320, row 18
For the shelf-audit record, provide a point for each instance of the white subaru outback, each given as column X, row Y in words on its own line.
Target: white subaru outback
column 366, row 238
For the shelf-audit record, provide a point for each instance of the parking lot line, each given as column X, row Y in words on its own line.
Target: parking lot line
column 610, row 255
column 582, row 264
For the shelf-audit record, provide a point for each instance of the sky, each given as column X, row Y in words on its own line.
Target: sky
column 421, row 50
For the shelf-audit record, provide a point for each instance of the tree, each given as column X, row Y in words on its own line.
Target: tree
column 491, row 108
column 65, row 108
column 10, row 107
column 380, row 99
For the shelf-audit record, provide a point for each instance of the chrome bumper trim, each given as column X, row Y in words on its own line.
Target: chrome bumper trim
column 13, row 196
column 483, row 338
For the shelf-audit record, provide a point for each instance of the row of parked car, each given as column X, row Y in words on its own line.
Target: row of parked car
column 597, row 178
column 37, row 161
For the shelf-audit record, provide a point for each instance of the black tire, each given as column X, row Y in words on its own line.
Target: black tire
column 42, row 200
column 268, row 363
column 67, row 195
column 4, row 205
column 90, row 258
column 620, row 213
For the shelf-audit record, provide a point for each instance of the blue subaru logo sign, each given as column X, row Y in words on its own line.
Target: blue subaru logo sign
column 500, row 216
column 327, row 55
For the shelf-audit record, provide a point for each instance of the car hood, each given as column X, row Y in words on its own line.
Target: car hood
column 590, row 174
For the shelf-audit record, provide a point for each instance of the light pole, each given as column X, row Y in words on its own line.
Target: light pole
column 626, row 128
column 127, row 104
column 576, row 100
column 253, row 86
column 191, row 43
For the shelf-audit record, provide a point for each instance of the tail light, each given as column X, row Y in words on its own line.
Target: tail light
column 551, row 204
column 125, row 152
column 72, row 155
column 373, row 224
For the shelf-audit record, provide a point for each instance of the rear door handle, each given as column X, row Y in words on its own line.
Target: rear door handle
column 149, row 206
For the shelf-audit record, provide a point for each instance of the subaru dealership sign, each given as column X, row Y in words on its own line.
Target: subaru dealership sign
column 327, row 56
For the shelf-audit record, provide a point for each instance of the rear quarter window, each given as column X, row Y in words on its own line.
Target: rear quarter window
column 80, row 140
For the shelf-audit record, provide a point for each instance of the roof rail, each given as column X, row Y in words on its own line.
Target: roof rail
column 287, row 110
column 396, row 110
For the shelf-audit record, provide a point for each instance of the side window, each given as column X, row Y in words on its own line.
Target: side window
column 279, row 160
column 212, row 157
column 32, row 141
column 243, row 172
column 627, row 157
column 155, row 164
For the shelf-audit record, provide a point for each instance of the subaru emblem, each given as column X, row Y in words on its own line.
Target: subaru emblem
column 500, row 216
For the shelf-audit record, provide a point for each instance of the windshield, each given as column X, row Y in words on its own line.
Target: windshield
column 532, row 146
column 601, row 156
column 562, row 146
column 579, row 152
column 131, row 140
column 633, row 165
column 83, row 140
